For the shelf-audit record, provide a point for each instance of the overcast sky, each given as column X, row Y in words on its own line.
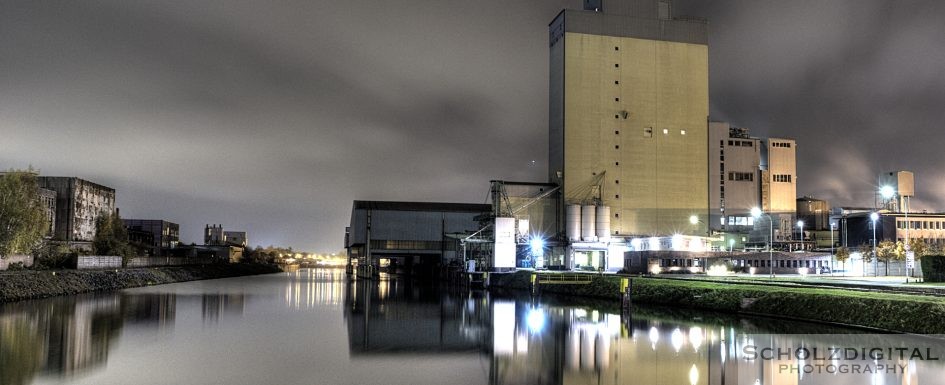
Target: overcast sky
column 272, row 116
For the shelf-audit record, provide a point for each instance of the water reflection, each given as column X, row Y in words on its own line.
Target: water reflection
column 65, row 335
column 228, row 304
column 529, row 341
column 309, row 288
column 68, row 336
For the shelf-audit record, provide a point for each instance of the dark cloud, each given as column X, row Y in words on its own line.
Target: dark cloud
column 273, row 116
column 859, row 84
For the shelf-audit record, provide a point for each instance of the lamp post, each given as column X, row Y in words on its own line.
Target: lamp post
column 800, row 225
column 694, row 220
column 833, row 257
column 757, row 213
column 874, row 217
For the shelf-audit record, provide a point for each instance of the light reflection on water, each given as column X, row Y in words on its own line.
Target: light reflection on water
column 311, row 326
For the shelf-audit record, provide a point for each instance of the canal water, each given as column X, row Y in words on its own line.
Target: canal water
column 312, row 326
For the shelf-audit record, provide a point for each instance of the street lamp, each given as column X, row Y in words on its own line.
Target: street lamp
column 800, row 225
column 874, row 217
column 757, row 213
column 694, row 220
column 833, row 257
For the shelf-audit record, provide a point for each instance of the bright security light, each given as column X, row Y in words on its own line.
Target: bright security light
column 693, row 219
column 887, row 192
column 537, row 245
column 874, row 217
column 755, row 212
column 800, row 224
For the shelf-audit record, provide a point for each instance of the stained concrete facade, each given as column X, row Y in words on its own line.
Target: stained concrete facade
column 628, row 115
column 47, row 199
column 79, row 204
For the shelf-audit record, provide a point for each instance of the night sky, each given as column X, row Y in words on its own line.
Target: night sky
column 271, row 117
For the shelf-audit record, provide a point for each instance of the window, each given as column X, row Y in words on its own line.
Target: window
column 682, row 132
column 617, row 181
column 617, row 196
column 616, row 99
column 616, row 132
column 665, row 131
column 741, row 176
column 616, row 48
column 782, row 178
column 616, row 81
column 617, row 146
column 616, row 215
column 616, row 163
column 731, row 143
column 616, row 65
column 648, row 132
column 616, row 116
column 781, row 144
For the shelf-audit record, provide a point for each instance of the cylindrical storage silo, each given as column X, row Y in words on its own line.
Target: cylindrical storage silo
column 588, row 225
column 574, row 222
column 603, row 223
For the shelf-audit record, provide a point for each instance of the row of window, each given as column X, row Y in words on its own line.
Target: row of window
column 741, row 176
column 781, row 144
column 782, row 178
column 921, row 225
column 784, row 263
column 739, row 221
column 406, row 245
column 741, row 143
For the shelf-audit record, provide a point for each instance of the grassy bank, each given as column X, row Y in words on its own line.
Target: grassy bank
column 887, row 311
column 29, row 284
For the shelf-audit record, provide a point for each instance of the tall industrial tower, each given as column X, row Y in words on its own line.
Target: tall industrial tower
column 629, row 103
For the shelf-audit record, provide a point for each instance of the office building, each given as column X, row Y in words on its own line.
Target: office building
column 164, row 235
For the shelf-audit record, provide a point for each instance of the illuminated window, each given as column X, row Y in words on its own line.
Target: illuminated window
column 682, row 132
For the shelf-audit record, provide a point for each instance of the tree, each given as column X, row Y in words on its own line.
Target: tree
column 22, row 217
column 886, row 251
column 919, row 247
column 111, row 237
column 842, row 255
column 867, row 252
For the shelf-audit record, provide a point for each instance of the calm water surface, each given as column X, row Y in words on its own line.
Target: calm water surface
column 311, row 326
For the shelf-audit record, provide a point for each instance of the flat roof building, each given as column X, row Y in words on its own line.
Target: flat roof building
column 164, row 235
column 628, row 114
column 734, row 177
column 408, row 233
column 79, row 204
